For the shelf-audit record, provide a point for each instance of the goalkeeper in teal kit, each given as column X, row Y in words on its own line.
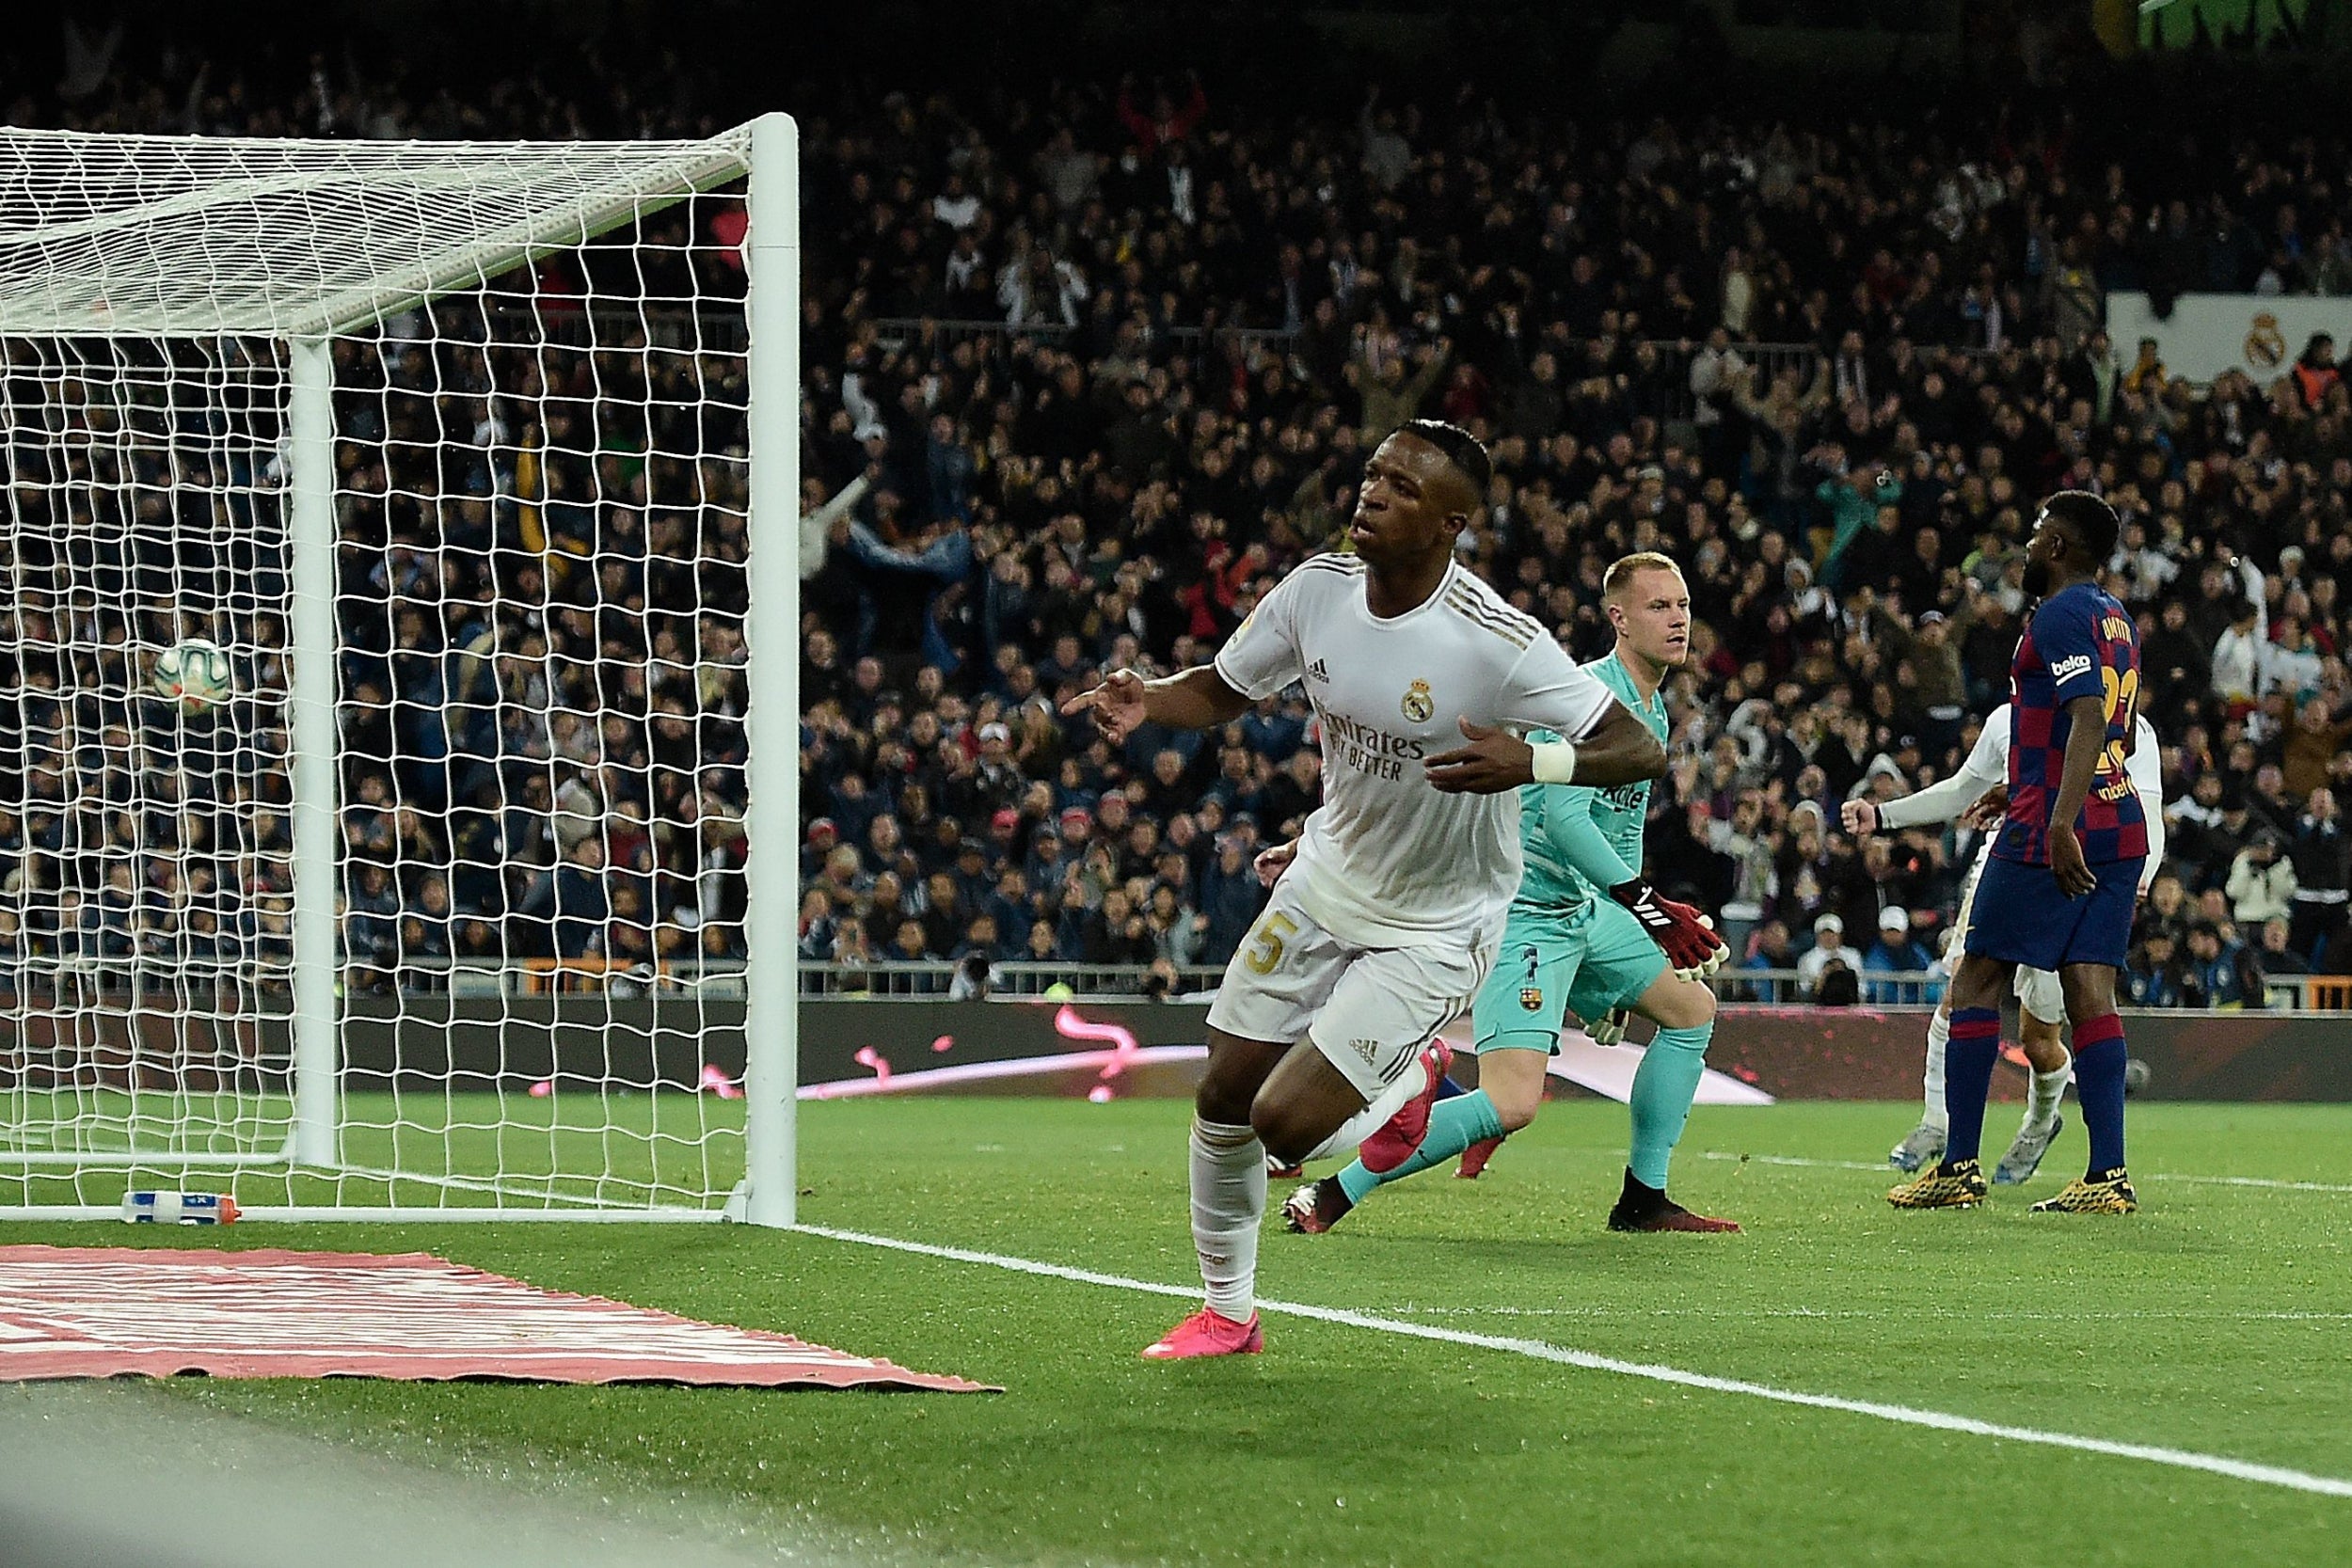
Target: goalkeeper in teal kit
column 1585, row 934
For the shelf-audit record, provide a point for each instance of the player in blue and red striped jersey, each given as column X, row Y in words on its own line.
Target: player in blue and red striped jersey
column 2059, row 890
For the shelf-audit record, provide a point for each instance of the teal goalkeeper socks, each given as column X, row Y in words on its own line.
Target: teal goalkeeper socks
column 1453, row 1125
column 1664, row 1088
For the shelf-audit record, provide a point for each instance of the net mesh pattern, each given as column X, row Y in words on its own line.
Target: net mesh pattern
column 540, row 491
column 145, row 903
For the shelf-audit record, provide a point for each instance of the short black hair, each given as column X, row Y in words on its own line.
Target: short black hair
column 1461, row 447
column 2089, row 519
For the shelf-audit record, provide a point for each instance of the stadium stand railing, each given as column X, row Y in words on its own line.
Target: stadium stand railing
column 930, row 982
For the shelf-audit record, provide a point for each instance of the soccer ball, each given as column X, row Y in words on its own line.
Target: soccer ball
column 194, row 674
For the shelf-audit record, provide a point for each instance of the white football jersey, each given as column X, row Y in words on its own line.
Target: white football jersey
column 1988, row 765
column 1387, row 858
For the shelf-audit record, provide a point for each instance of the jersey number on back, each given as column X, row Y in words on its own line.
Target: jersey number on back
column 2121, row 694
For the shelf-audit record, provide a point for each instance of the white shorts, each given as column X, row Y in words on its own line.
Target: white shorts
column 2037, row 990
column 1368, row 1010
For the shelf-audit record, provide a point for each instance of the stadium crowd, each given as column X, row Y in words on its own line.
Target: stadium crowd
column 993, row 515
column 1830, row 372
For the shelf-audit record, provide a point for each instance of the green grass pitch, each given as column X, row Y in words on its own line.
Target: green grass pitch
column 2215, row 1321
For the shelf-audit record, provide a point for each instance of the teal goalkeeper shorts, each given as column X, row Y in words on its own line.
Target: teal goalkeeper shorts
column 1595, row 959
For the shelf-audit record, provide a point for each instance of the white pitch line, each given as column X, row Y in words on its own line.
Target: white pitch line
column 1885, row 1169
column 2181, row 1458
column 1792, row 1159
column 2257, row 1181
column 1711, row 1314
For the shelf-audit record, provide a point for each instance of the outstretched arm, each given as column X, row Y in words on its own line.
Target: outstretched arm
column 1125, row 702
column 1941, row 801
column 1986, row 767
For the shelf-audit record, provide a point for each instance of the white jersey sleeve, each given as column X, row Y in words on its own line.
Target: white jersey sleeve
column 2146, row 770
column 1987, row 766
column 1548, row 690
column 1261, row 656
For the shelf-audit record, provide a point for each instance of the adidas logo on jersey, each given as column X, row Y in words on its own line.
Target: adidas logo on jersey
column 1368, row 1050
column 1315, row 671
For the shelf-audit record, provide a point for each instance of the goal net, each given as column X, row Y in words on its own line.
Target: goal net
column 448, row 908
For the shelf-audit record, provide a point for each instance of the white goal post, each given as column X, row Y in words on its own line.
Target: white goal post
column 476, row 899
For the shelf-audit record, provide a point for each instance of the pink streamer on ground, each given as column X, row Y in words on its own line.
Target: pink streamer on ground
column 869, row 1057
column 1071, row 1025
column 918, row 1080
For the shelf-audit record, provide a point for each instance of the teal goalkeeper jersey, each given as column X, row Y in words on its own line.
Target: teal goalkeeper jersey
column 1569, row 833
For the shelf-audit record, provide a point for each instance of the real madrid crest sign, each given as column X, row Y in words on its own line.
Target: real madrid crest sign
column 2265, row 344
column 1419, row 705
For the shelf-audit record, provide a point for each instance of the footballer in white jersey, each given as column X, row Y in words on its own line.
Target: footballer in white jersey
column 1390, row 918
column 2041, row 1005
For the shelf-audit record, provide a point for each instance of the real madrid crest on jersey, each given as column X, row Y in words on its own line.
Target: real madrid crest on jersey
column 1419, row 705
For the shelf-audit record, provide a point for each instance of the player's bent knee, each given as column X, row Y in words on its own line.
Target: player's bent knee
column 1515, row 1111
column 1222, row 1099
column 1289, row 1133
column 1678, row 1004
column 1236, row 1069
column 1513, row 1083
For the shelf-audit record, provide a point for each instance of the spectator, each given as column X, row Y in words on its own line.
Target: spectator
column 2221, row 975
column 1895, row 951
column 2237, row 657
column 571, row 903
column 973, row 979
column 424, row 925
column 2262, row 883
column 1837, row 986
column 1231, row 898
column 2322, row 863
column 2315, row 371
column 2277, row 954
column 2311, row 747
column 2152, row 976
column 1829, row 946
column 1115, row 935
column 2167, row 909
column 2175, row 669
column 370, row 924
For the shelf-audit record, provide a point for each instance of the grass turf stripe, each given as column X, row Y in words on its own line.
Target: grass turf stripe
column 2182, row 1459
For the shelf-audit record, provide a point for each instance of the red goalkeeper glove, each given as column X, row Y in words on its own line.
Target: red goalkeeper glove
column 1689, row 938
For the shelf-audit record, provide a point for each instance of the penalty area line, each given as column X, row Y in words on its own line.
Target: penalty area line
column 2180, row 1459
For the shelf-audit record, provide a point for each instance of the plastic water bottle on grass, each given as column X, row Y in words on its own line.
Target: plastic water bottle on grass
column 178, row 1208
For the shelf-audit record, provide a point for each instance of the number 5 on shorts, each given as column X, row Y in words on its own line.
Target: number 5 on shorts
column 1266, row 951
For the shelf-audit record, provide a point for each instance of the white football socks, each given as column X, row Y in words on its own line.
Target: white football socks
column 2041, row 1101
column 1939, row 1037
column 1364, row 1123
column 1228, row 1201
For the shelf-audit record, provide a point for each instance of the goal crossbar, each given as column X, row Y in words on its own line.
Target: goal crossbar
column 134, row 250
